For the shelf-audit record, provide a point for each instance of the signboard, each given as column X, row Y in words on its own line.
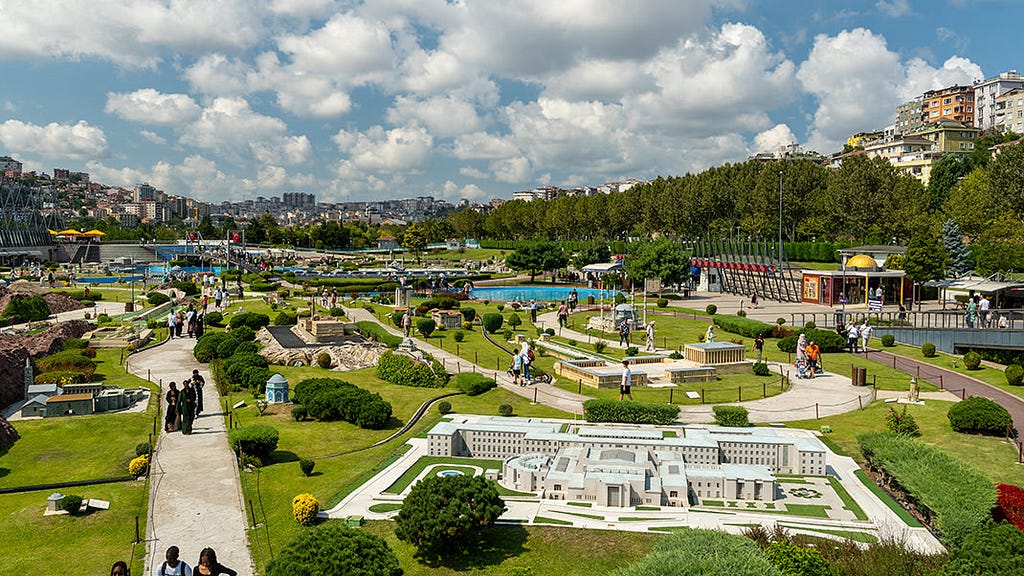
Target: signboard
column 193, row 236
column 235, row 236
column 652, row 285
column 811, row 288
column 874, row 305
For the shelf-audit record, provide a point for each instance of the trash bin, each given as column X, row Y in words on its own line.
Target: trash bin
column 839, row 318
column 590, row 300
column 859, row 376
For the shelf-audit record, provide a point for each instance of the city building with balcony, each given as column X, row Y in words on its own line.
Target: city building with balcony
column 953, row 103
column 986, row 97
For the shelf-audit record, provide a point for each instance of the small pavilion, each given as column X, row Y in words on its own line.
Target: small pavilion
column 862, row 279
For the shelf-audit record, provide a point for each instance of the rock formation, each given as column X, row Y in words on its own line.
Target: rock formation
column 14, row 349
column 7, row 433
column 344, row 355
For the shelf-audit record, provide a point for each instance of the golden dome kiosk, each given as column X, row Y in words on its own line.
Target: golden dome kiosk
column 861, row 279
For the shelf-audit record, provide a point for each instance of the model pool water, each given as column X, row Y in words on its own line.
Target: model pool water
column 543, row 293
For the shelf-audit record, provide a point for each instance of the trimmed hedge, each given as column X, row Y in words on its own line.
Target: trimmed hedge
column 187, row 286
column 827, row 340
column 253, row 320
column 474, row 384
column 598, row 410
column 25, row 309
column 213, row 318
column 979, row 415
column 972, row 360
column 928, row 350
column 263, row 286
column 378, row 333
column 329, row 399
column 206, row 347
column 743, row 326
column 1014, row 374
column 960, row 496
column 68, row 360
column 732, row 416
column 492, row 322
column 285, row 319
column 61, row 377
column 403, row 370
column 258, row 440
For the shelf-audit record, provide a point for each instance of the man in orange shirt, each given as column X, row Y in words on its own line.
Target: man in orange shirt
column 813, row 356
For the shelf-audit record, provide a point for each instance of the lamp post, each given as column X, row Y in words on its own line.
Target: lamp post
column 131, row 279
column 780, row 217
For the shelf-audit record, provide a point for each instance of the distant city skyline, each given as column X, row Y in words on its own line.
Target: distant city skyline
column 463, row 99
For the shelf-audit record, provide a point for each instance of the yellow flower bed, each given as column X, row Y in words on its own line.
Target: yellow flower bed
column 139, row 465
column 305, row 508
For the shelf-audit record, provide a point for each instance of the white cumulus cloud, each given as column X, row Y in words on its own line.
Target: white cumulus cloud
column 770, row 140
column 385, row 151
column 152, row 107
column 79, row 141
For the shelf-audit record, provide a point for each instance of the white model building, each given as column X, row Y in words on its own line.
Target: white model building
column 618, row 466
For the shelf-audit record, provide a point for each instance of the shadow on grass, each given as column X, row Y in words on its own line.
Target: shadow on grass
column 495, row 545
column 280, row 457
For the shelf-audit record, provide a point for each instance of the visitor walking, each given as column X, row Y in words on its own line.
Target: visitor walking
column 563, row 315
column 574, row 299
column 172, row 320
column 533, row 311
column 528, row 356
column 517, row 369
column 851, row 337
column 801, row 350
column 625, row 386
column 407, row 323
column 171, row 416
column 208, row 565
column 179, row 323
column 759, row 346
column 624, row 333
column 172, row 566
column 217, row 297
column 753, row 299
column 187, row 406
column 972, row 311
column 709, row 336
column 813, row 356
column 865, row 335
column 198, row 381
column 983, row 306
column 649, row 341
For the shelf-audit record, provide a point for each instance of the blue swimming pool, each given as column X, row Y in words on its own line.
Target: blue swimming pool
column 543, row 293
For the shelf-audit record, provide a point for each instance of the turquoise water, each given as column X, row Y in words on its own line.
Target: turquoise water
column 543, row 293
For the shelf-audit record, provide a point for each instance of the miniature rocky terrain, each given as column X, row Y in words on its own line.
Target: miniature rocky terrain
column 14, row 349
column 344, row 355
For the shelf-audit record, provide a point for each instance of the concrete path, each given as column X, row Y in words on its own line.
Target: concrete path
column 195, row 498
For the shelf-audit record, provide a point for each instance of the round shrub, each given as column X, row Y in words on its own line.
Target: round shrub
column 505, row 410
column 72, row 504
column 500, row 307
column 1014, row 374
column 979, row 415
column 731, row 416
column 251, row 319
column 139, row 465
column 888, row 340
column 514, row 320
column 157, row 298
column 306, row 466
column 810, row 325
column 549, row 331
column 444, row 407
column 928, row 350
column 143, row 448
column 247, row 348
column 337, row 312
column 675, row 355
column 285, row 319
column 711, row 309
column 305, row 508
column 741, row 313
column 662, row 302
column 632, row 351
column 761, row 369
column 255, row 378
column 206, row 348
column 257, row 440
column 474, row 384
column 213, row 318
column 507, row 334
column 426, row 326
column 323, row 360
column 227, row 346
column 244, row 333
column 299, row 413
column 459, row 336
column 972, row 360
column 468, row 313
column 334, row 548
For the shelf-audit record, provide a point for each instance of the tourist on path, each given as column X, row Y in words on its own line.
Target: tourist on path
column 527, row 355
column 208, row 565
column 865, row 335
column 851, row 337
column 187, row 405
column 172, row 566
column 649, row 344
column 407, row 323
column 171, row 417
column 563, row 315
column 972, row 311
column 198, row 381
column 813, row 357
column 625, row 386
column 709, row 336
column 624, row 333
column 801, row 350
column 759, row 346
column 517, row 369
column 172, row 319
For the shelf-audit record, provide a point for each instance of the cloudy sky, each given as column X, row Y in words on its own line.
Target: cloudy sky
column 232, row 99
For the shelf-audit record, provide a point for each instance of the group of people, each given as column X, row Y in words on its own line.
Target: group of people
column 174, row 566
column 521, row 362
column 852, row 332
column 190, row 320
column 808, row 357
column 185, row 404
column 979, row 314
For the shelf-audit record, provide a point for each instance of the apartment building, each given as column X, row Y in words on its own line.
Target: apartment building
column 953, row 103
column 987, row 93
column 1010, row 111
column 908, row 117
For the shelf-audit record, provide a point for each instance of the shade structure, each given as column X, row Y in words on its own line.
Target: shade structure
column 53, row 232
column 94, row 232
column 69, row 232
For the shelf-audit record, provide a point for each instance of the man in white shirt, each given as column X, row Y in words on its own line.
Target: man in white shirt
column 171, row 321
column 983, row 306
column 627, row 381
column 172, row 566
column 865, row 335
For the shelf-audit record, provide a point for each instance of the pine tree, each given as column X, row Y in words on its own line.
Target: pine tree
column 959, row 255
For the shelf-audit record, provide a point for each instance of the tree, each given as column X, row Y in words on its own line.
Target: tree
column 925, row 259
column 539, row 256
column 959, row 255
column 663, row 259
column 1007, row 174
column 993, row 550
column 944, row 176
column 415, row 239
column 334, row 548
column 443, row 513
column 591, row 253
column 1000, row 248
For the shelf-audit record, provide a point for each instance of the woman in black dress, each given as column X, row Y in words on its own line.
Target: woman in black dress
column 208, row 565
column 172, row 408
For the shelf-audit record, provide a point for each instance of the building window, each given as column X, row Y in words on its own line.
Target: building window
column 673, row 494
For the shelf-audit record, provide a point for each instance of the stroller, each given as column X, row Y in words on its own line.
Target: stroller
column 802, row 370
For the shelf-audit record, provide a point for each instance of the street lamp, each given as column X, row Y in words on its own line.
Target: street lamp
column 131, row 279
column 780, row 217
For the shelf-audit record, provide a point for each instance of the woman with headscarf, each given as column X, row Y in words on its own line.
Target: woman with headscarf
column 187, row 406
column 170, row 418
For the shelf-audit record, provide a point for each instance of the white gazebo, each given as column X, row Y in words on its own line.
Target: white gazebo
column 277, row 390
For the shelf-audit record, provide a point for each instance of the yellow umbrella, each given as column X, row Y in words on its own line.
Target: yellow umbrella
column 53, row 232
column 95, row 232
column 69, row 232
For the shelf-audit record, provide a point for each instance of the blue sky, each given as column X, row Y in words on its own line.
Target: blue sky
column 463, row 98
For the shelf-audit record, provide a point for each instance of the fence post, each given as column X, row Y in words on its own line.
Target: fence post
column 963, row 394
column 252, row 512
column 816, row 416
column 137, row 539
column 860, row 402
column 149, row 374
column 940, row 382
column 579, row 388
column 702, row 396
column 456, row 348
column 670, row 391
column 535, row 395
column 764, row 389
column 918, row 372
column 739, row 393
column 476, row 357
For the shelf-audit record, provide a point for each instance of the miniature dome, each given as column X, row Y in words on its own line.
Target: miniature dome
column 861, row 261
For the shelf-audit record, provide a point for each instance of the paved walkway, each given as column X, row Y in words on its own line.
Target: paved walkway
column 195, row 498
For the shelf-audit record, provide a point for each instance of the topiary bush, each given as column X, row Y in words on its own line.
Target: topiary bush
column 632, row 351
column 305, row 508
column 253, row 320
column 403, row 370
column 888, row 340
column 329, row 399
column 206, row 347
column 299, row 413
column 139, row 465
column 72, row 504
column 732, row 416
column 186, row 286
column 336, row 549
column 143, row 448
column 459, row 336
column 1014, row 374
column 662, row 302
column 928, row 350
column 285, row 319
column 244, row 333
column 213, row 318
column 323, row 360
column 972, row 360
column 505, row 409
column 761, row 369
column 741, row 313
column 492, row 322
column 599, row 410
column 157, row 298
column 426, row 326
column 468, row 313
column 743, row 326
column 979, row 415
column 474, row 384
column 514, row 321
column 257, row 440
column 711, row 309
column 306, row 465
column 444, row 407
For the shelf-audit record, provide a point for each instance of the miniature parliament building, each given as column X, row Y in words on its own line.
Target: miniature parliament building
column 630, row 467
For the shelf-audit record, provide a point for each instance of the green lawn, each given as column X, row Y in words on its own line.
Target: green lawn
column 848, row 502
column 942, row 360
column 888, row 500
column 425, row 461
column 537, row 550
